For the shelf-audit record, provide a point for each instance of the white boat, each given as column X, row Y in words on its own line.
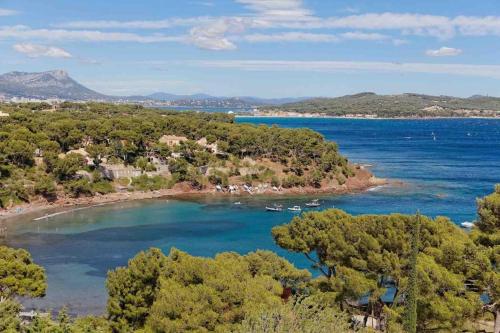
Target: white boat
column 295, row 209
column 313, row 203
column 237, row 203
column 274, row 208
column 467, row 225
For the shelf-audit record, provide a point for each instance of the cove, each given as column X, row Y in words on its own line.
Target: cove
column 441, row 176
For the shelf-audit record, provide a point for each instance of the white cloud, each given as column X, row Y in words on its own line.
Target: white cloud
column 297, row 36
column 478, row 26
column 399, row 42
column 438, row 26
column 143, row 24
column 291, row 14
column 350, row 9
column 492, row 71
column 444, row 52
column 24, row 32
column 278, row 9
column 36, row 51
column 203, row 3
column 213, row 36
column 7, row 12
column 291, row 37
column 357, row 35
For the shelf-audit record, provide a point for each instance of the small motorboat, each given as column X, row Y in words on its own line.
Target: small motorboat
column 313, row 203
column 237, row 203
column 274, row 208
column 295, row 209
column 467, row 225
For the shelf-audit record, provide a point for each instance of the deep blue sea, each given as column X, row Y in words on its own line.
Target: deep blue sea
column 444, row 166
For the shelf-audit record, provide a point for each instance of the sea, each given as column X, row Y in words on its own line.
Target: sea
column 439, row 167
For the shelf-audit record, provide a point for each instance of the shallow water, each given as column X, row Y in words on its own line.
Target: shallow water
column 442, row 177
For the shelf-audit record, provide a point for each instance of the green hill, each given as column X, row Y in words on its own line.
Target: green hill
column 405, row 105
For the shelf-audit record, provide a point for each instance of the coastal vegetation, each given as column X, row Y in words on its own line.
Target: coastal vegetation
column 87, row 149
column 394, row 273
column 393, row 106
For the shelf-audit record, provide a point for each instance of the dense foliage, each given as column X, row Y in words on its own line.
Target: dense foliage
column 487, row 235
column 178, row 292
column 406, row 105
column 39, row 149
column 370, row 266
column 302, row 315
column 19, row 276
column 367, row 254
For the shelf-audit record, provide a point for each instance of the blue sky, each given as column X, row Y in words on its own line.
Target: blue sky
column 267, row 48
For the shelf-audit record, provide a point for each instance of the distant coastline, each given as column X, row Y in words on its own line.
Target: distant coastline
column 367, row 117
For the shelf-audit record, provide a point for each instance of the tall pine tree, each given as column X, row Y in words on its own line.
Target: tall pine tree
column 410, row 314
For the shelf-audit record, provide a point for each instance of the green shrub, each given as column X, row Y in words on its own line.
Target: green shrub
column 340, row 179
column 146, row 183
column 218, row 177
column 315, row 178
column 102, row 187
column 275, row 181
column 293, row 181
column 265, row 174
column 78, row 187
column 45, row 186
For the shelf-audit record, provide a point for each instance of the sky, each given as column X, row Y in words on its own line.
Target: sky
column 264, row 48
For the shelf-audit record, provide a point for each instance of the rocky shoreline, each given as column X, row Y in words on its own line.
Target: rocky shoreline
column 363, row 181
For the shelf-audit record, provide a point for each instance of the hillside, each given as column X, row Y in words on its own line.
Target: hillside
column 405, row 105
column 77, row 151
column 45, row 85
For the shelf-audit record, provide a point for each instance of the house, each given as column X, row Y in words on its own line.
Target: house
column 212, row 147
column 172, row 140
column 115, row 171
column 82, row 152
column 3, row 114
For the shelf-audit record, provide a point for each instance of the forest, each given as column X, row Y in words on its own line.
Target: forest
column 50, row 152
column 395, row 106
column 401, row 273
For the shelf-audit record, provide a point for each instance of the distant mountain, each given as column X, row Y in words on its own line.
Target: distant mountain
column 46, row 85
column 57, row 84
column 403, row 105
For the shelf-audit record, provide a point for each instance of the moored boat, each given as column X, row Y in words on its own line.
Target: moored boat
column 313, row 203
column 274, row 208
column 467, row 225
column 295, row 209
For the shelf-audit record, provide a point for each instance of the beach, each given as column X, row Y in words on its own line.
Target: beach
column 363, row 180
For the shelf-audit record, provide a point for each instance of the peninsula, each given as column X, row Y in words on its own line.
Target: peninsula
column 370, row 105
column 91, row 153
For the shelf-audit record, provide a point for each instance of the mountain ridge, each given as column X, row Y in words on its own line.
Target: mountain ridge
column 58, row 84
column 55, row 84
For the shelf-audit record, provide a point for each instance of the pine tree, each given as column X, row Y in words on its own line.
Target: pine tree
column 410, row 314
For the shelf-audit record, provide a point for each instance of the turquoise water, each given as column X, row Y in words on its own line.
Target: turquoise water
column 441, row 177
